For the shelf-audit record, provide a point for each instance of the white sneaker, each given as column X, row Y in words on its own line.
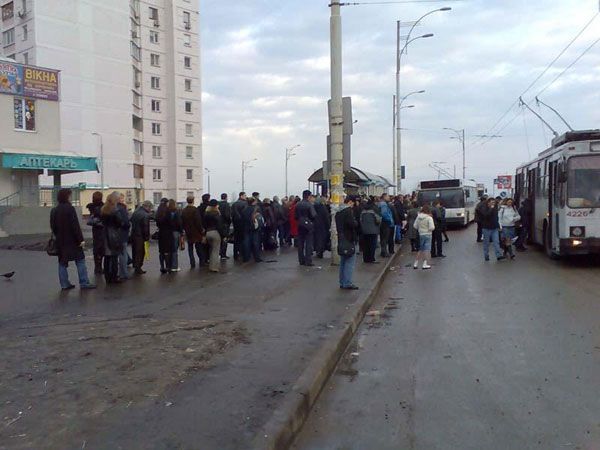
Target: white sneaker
column 416, row 265
column 426, row 266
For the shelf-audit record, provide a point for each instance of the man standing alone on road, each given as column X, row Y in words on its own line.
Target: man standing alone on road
column 306, row 216
column 140, row 234
column 347, row 228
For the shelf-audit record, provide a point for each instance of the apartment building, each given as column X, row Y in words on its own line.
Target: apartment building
column 130, row 84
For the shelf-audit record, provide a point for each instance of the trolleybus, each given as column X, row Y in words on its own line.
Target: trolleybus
column 457, row 197
column 563, row 187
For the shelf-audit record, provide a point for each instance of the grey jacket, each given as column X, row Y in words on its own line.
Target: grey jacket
column 369, row 222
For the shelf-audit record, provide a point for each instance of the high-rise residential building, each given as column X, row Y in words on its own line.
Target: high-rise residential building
column 130, row 86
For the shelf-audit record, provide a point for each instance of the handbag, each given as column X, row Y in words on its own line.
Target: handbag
column 306, row 224
column 95, row 222
column 181, row 243
column 51, row 247
column 346, row 248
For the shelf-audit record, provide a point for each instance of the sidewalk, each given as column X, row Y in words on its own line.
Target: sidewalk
column 189, row 360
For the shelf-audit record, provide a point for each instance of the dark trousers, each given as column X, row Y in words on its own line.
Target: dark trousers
column 392, row 241
column 320, row 242
column 384, row 236
column 436, row 243
column 191, row 247
column 479, row 232
column 370, row 246
column 238, row 240
column 522, row 233
column 414, row 245
column 251, row 246
column 305, row 247
column 111, row 268
column 138, row 251
column 223, row 249
column 97, row 263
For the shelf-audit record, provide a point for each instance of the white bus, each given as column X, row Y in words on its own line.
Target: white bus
column 457, row 197
column 563, row 187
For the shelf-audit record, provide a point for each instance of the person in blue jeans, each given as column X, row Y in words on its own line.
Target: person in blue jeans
column 69, row 241
column 491, row 229
column 347, row 228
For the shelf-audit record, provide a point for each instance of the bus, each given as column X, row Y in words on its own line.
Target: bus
column 563, row 188
column 458, row 197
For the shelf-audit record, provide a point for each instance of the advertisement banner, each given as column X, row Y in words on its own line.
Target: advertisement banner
column 11, row 78
column 504, row 182
column 40, row 83
column 29, row 81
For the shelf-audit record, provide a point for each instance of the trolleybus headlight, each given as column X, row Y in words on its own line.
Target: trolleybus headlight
column 595, row 146
column 577, row 243
column 577, row 232
column 460, row 214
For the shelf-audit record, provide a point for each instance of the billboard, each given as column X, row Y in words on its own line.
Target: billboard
column 29, row 81
column 504, row 182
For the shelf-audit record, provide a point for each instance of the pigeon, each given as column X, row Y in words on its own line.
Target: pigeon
column 8, row 275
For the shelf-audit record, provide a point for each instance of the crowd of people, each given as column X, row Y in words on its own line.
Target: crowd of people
column 257, row 226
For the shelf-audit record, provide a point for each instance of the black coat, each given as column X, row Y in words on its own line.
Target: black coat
column 168, row 223
column 65, row 226
column 237, row 210
column 346, row 225
column 225, row 210
column 489, row 218
column 140, row 224
column 97, row 230
column 113, row 228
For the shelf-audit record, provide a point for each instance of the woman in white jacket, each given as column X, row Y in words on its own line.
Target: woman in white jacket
column 424, row 225
column 508, row 216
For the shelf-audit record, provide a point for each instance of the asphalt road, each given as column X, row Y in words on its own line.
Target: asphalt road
column 471, row 355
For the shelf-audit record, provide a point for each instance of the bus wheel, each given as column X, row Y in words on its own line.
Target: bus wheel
column 548, row 243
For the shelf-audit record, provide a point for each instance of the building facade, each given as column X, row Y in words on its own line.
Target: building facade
column 130, row 86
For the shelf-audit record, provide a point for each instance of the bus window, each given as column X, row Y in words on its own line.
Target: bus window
column 583, row 185
column 453, row 198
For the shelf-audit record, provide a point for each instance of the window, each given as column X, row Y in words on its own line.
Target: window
column 187, row 21
column 189, row 174
column 156, row 129
column 137, row 148
column 8, row 37
column 155, row 59
column 188, row 107
column 25, row 32
column 582, row 184
column 8, row 11
column 157, row 197
column 188, row 129
column 187, row 62
column 153, row 13
column 153, row 37
column 25, row 58
column 156, row 151
column 188, row 85
column 136, row 51
column 24, row 110
column 155, row 82
column 156, row 105
column 189, row 152
column 157, row 175
column 187, row 40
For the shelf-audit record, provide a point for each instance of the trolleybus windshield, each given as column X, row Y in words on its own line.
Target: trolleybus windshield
column 583, row 185
column 450, row 198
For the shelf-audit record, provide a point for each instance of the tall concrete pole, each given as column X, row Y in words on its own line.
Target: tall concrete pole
column 336, row 124
column 394, row 162
column 398, row 130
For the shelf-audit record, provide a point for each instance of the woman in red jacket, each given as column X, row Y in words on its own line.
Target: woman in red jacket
column 293, row 221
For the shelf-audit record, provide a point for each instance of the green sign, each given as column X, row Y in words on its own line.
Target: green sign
column 50, row 162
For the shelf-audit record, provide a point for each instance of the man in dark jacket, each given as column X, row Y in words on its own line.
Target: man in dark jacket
column 525, row 213
column 491, row 229
column 306, row 216
column 193, row 229
column 204, row 247
column 480, row 206
column 69, row 241
column 347, row 229
column 140, row 234
column 237, row 212
column 124, row 256
column 322, row 226
column 251, row 223
column 436, row 236
column 225, row 210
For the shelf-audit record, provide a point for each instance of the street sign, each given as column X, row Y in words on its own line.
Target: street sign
column 503, row 194
column 504, row 182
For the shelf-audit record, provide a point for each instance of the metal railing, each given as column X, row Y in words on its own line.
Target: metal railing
column 39, row 196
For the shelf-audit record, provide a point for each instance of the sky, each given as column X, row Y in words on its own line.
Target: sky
column 266, row 82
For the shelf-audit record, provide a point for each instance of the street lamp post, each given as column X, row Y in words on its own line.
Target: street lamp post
column 289, row 153
column 246, row 165
column 208, row 173
column 398, row 138
column 399, row 53
column 460, row 135
column 101, row 160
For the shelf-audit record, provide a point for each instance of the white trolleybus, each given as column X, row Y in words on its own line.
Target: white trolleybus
column 563, row 186
column 457, row 197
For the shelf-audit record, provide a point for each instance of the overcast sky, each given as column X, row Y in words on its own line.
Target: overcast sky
column 266, row 83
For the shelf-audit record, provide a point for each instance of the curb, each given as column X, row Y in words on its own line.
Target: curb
column 288, row 419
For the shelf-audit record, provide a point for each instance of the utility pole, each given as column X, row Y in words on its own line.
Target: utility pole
column 336, row 124
column 208, row 173
column 464, row 155
column 396, row 192
column 398, row 168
